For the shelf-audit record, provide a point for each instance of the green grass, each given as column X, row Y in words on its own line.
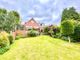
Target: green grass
column 42, row 48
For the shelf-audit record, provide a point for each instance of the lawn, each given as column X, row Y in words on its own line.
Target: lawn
column 42, row 48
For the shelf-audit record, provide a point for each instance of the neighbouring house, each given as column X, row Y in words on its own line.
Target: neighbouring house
column 32, row 24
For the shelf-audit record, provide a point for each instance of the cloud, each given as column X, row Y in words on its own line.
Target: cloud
column 43, row 1
column 55, row 16
column 31, row 12
column 12, row 2
column 44, row 11
column 39, row 18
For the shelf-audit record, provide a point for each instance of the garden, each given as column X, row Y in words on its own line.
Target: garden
column 53, row 43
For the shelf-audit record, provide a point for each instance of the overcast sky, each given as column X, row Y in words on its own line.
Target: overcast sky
column 43, row 11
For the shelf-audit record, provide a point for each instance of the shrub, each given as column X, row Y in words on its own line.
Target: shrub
column 11, row 39
column 32, row 33
column 67, row 28
column 56, row 29
column 76, row 35
column 51, row 32
column 64, row 38
column 4, row 49
column 57, row 35
column 18, row 37
column 46, row 30
column 4, row 42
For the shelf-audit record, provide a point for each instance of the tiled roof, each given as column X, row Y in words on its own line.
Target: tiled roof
column 32, row 23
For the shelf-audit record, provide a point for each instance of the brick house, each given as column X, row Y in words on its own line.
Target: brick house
column 32, row 24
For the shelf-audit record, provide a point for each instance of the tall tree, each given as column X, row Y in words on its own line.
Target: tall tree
column 65, row 15
column 67, row 28
column 2, row 21
column 3, row 14
column 16, row 16
column 9, row 20
column 76, row 35
column 69, row 14
column 3, row 11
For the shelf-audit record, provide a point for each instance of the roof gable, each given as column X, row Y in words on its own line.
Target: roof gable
column 32, row 23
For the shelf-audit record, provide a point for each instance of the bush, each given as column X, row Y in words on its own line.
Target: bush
column 67, row 28
column 57, row 35
column 32, row 33
column 46, row 30
column 76, row 35
column 4, row 42
column 51, row 32
column 56, row 29
column 18, row 37
column 11, row 39
column 64, row 38
column 4, row 49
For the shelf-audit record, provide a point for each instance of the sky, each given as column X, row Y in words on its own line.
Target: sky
column 43, row 11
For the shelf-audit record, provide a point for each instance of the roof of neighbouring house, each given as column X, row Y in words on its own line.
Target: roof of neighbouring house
column 32, row 23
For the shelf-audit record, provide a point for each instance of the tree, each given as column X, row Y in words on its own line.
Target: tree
column 70, row 13
column 67, row 28
column 76, row 35
column 2, row 21
column 10, row 23
column 3, row 11
column 20, row 27
column 16, row 16
column 8, row 20
column 73, row 13
column 65, row 15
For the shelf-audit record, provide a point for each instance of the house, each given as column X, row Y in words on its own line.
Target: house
column 32, row 24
